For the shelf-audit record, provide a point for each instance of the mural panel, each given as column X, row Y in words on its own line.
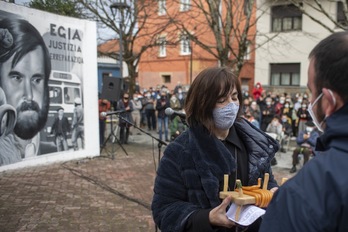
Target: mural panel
column 44, row 63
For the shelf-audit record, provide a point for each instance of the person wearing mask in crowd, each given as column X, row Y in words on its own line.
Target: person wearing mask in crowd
column 125, row 105
column 257, row 91
column 149, row 105
column 279, row 106
column 246, row 106
column 78, row 129
column 255, row 111
column 60, row 129
column 303, row 117
column 315, row 199
column 306, row 141
column 104, row 106
column 286, row 110
column 136, row 113
column 287, row 131
column 252, row 120
column 267, row 113
column 175, row 103
column 218, row 141
column 180, row 96
column 161, row 105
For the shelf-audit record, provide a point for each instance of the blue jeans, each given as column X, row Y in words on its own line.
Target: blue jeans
column 161, row 122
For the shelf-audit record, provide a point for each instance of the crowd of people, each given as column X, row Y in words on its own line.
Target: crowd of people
column 146, row 109
column 281, row 115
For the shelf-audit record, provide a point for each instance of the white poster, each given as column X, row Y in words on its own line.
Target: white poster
column 48, row 87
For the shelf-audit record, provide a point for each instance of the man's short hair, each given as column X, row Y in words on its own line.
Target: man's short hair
column 330, row 64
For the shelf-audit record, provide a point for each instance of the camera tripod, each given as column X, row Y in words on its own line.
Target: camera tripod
column 114, row 139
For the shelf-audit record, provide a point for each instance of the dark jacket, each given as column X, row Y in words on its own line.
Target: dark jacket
column 316, row 199
column 192, row 170
column 65, row 127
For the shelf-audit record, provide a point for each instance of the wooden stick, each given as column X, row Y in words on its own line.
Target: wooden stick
column 265, row 181
column 225, row 183
column 237, row 216
column 239, row 186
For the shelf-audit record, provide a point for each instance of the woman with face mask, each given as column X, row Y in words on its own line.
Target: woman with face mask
column 217, row 142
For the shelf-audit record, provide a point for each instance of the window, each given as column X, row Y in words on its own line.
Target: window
column 166, row 78
column 184, row 5
column 162, row 46
column 285, row 74
column 247, row 52
column 161, row 7
column 185, row 45
column 286, row 18
column 341, row 16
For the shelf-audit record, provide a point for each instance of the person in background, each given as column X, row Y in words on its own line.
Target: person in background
column 60, row 129
column 257, row 91
column 267, row 113
column 161, row 105
column 136, row 114
column 287, row 131
column 306, row 141
column 255, row 111
column 252, row 120
column 104, row 106
column 125, row 105
column 218, row 141
column 175, row 103
column 78, row 125
column 279, row 106
column 315, row 199
column 149, row 105
column 303, row 117
column 180, row 95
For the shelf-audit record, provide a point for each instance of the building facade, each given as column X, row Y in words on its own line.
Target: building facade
column 288, row 36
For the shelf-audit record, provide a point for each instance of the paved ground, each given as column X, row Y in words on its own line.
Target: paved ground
column 107, row 193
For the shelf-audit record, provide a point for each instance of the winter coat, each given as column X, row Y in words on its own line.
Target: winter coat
column 316, row 199
column 192, row 169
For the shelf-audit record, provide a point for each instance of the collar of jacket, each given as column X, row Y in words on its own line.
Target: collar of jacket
column 335, row 134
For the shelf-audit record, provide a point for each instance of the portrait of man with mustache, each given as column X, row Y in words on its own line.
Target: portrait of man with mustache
column 25, row 68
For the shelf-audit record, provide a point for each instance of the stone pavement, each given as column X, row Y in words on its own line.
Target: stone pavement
column 104, row 193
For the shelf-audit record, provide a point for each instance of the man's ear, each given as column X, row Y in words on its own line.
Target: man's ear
column 332, row 101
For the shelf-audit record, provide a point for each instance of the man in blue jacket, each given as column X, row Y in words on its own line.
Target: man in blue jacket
column 306, row 141
column 316, row 199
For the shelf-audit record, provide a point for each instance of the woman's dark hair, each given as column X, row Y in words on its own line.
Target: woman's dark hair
column 330, row 64
column 208, row 87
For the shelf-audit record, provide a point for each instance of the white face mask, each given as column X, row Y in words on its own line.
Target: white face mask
column 224, row 117
column 314, row 118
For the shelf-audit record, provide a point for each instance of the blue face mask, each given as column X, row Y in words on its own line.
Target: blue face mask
column 224, row 117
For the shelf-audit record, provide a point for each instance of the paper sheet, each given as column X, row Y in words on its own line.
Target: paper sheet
column 248, row 214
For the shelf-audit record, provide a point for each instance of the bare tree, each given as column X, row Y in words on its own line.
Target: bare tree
column 137, row 27
column 226, row 29
column 311, row 8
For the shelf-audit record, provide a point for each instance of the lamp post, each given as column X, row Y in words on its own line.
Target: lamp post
column 120, row 5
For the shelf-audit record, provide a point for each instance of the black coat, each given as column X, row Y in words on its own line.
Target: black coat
column 193, row 167
column 316, row 199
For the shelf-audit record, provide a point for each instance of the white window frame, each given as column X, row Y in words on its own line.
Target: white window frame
column 162, row 51
column 185, row 5
column 185, row 46
column 247, row 54
column 161, row 7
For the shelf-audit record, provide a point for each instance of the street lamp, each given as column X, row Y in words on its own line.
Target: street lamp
column 120, row 5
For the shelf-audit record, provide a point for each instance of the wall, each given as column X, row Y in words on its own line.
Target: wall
column 74, row 67
column 286, row 47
